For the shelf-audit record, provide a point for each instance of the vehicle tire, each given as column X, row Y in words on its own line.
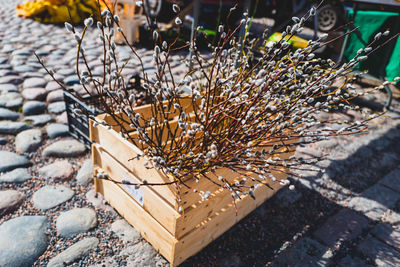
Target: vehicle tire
column 329, row 16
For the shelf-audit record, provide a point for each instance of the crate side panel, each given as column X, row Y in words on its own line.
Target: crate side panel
column 189, row 197
column 126, row 154
column 160, row 209
column 147, row 226
column 220, row 223
column 206, row 209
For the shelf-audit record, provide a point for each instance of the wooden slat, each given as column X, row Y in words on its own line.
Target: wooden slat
column 126, row 153
column 189, row 197
column 153, row 203
column 205, row 209
column 144, row 223
column 220, row 223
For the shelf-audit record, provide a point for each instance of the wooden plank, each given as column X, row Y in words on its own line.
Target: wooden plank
column 189, row 197
column 146, row 225
column 153, row 203
column 126, row 153
column 205, row 209
column 220, row 223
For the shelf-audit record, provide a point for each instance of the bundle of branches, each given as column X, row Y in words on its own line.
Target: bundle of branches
column 245, row 111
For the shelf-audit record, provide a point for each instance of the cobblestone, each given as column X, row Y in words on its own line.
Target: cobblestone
column 346, row 225
column 375, row 201
column 381, row 254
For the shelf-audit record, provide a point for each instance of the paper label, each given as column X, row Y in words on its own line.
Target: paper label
column 137, row 194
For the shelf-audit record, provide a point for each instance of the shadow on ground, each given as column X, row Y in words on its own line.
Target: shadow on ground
column 258, row 238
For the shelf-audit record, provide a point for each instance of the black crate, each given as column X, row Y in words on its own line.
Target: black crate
column 78, row 125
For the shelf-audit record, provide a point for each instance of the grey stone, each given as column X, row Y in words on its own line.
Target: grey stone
column 10, row 161
column 57, row 129
column 76, row 221
column 54, row 96
column 346, row 225
column 6, row 114
column 34, row 82
column 71, row 80
column 23, row 240
column 375, row 201
column 328, row 144
column 18, row 175
column 64, row 148
column 10, row 200
column 28, row 140
column 3, row 140
column 141, row 254
column 85, row 173
column 8, row 87
column 11, row 100
column 34, row 94
column 39, row 120
column 125, row 232
column 14, row 79
column 66, row 72
column 3, row 60
column 6, row 67
column 33, row 107
column 24, row 68
column 62, row 118
column 305, row 252
column 56, row 107
column 21, row 52
column 49, row 197
column 387, row 234
column 392, row 180
column 8, row 127
column 380, row 253
column 58, row 170
column 74, row 252
column 52, row 85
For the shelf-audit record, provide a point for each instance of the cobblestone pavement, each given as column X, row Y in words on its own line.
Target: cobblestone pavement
column 346, row 212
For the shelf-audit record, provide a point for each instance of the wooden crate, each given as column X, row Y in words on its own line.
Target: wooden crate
column 153, row 211
column 130, row 19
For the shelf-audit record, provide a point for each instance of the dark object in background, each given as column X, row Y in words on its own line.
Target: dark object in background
column 330, row 15
column 78, row 125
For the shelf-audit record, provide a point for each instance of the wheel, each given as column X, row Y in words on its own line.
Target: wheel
column 328, row 17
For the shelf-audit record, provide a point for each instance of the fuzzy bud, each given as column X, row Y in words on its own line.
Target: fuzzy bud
column 165, row 45
column 178, row 21
column 69, row 27
column 88, row 22
column 155, row 35
column 157, row 50
column 77, row 37
column 176, row 8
